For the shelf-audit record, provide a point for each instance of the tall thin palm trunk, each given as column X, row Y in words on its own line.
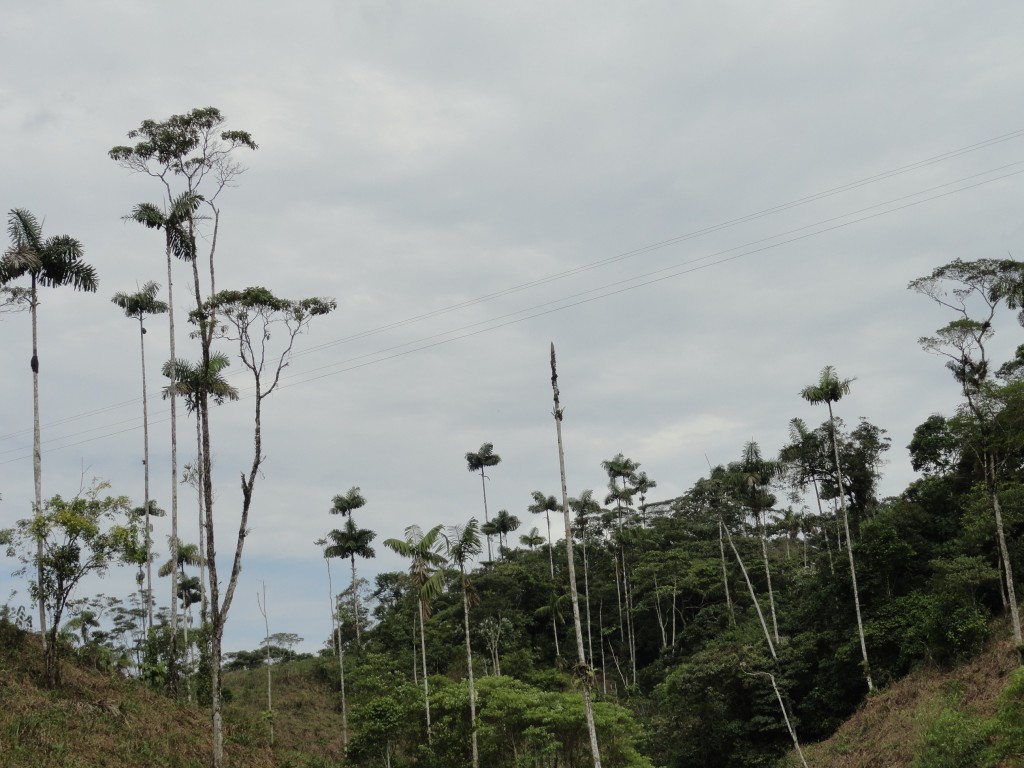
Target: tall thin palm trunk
column 753, row 594
column 355, row 601
column 172, row 666
column 145, row 474
column 426, row 685
column 725, row 573
column 469, row 667
column 37, row 458
column 849, row 550
column 1011, row 595
column 584, row 669
column 768, row 574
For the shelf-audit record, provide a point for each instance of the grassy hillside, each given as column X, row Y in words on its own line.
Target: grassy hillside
column 307, row 716
column 96, row 720
column 969, row 717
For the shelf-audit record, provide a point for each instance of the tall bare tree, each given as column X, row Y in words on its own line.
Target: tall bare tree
column 583, row 670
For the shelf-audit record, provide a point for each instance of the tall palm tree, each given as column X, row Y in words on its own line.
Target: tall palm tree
column 803, row 457
column 424, row 553
column 462, row 544
column 532, row 539
column 547, row 505
column 830, row 389
column 478, row 462
column 180, row 243
column 150, row 510
column 352, row 542
column 136, row 306
column 345, row 504
column 191, row 382
column 505, row 523
column 752, row 474
column 49, row 262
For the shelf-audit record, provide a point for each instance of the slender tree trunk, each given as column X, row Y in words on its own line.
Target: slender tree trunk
column 355, row 601
column 768, row 575
column 753, row 594
column 426, row 685
column 266, row 628
column 586, row 597
column 584, row 669
column 145, row 474
column 785, row 717
column 483, row 485
column 172, row 672
column 37, row 461
column 469, row 668
column 725, row 573
column 336, row 635
column 824, row 524
column 849, row 550
column 1011, row 594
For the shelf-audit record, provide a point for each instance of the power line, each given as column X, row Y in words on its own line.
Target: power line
column 985, row 143
column 612, row 289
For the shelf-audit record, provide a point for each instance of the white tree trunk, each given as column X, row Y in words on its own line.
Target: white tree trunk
column 584, row 669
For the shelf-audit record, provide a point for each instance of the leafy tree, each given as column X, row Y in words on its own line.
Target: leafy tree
column 136, row 306
column 249, row 319
column 478, row 462
column 49, row 262
column 960, row 286
column 78, row 537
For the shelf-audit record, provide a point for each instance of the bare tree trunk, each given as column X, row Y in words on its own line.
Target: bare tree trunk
column 37, row 463
column 586, row 597
column 145, row 475
column 483, row 485
column 1011, row 594
column 768, row 575
column 753, row 595
column 172, row 672
column 785, row 716
column 426, row 685
column 849, row 550
column 469, row 667
column 266, row 628
column 725, row 573
column 584, row 669
column 336, row 637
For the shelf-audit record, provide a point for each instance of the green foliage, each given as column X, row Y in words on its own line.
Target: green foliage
column 955, row 740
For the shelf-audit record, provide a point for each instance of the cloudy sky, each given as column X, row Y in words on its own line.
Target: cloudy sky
column 701, row 204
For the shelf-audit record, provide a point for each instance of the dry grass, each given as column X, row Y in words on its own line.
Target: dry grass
column 889, row 729
column 99, row 720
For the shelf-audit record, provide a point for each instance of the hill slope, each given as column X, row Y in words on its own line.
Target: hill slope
column 96, row 719
column 966, row 717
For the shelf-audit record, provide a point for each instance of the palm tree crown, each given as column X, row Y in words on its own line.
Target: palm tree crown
column 346, row 504
column 143, row 302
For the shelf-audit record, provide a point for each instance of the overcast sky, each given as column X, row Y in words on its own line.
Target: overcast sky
column 418, row 160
